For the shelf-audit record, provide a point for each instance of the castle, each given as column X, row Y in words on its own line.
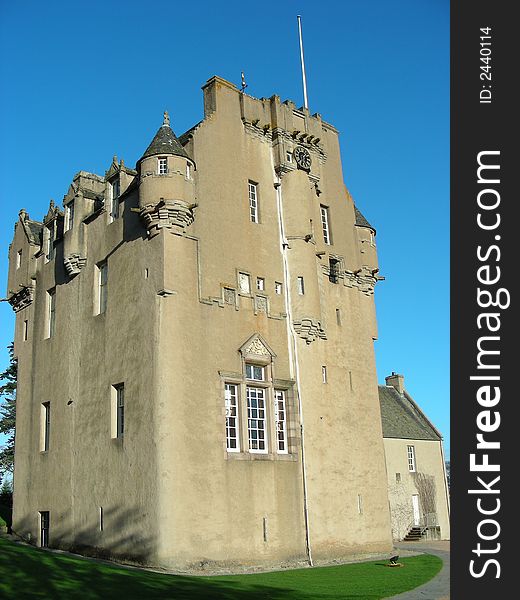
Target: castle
column 197, row 381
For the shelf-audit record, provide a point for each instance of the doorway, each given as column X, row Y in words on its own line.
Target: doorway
column 415, row 507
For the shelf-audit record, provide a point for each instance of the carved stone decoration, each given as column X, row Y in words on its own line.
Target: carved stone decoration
column 229, row 296
column 309, row 329
column 261, row 304
column 22, row 298
column 74, row 263
column 257, row 347
column 166, row 214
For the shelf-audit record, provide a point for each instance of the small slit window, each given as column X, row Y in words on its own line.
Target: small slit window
column 301, row 286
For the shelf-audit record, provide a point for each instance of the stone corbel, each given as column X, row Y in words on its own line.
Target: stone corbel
column 167, row 214
column 309, row 329
column 74, row 263
column 22, row 298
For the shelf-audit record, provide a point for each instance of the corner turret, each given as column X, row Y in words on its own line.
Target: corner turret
column 166, row 185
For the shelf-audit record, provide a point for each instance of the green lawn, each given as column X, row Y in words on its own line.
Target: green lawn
column 27, row 572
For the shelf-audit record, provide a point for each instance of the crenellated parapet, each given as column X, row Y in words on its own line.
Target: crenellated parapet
column 167, row 214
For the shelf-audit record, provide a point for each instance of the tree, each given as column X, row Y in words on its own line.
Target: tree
column 8, row 414
column 426, row 487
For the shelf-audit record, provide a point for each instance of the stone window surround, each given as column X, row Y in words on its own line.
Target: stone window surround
column 271, row 385
column 243, row 453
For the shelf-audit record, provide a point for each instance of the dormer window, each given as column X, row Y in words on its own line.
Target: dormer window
column 162, row 165
column 114, row 200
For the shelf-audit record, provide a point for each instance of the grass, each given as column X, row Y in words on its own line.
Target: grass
column 27, row 572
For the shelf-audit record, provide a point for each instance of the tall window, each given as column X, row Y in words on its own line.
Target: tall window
column 256, row 419
column 325, row 223
column 69, row 215
column 51, row 312
column 118, row 410
column 114, row 200
column 49, row 243
column 232, row 418
column 45, row 426
column 162, row 165
column 102, row 287
column 256, row 398
column 44, row 528
column 253, row 202
column 411, row 458
column 280, row 416
column 277, row 287
column 188, row 171
column 18, row 259
column 324, row 374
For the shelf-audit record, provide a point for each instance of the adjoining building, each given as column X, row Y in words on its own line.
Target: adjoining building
column 197, row 382
column 417, row 486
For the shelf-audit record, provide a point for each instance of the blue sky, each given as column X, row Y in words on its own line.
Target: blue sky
column 83, row 81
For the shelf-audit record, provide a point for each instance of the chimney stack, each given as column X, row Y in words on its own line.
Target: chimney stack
column 396, row 381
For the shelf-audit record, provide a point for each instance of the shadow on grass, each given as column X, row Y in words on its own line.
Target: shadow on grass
column 27, row 572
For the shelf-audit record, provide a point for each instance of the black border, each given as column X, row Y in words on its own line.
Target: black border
column 477, row 127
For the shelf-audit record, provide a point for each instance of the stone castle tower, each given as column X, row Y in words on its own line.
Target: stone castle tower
column 197, row 382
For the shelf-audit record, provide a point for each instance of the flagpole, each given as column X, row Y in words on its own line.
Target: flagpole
column 304, row 80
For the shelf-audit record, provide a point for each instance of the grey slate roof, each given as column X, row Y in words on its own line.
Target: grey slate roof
column 402, row 418
column 165, row 142
column 360, row 219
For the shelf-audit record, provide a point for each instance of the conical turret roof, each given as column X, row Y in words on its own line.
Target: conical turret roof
column 165, row 142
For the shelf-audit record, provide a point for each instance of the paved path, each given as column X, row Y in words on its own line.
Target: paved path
column 439, row 587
